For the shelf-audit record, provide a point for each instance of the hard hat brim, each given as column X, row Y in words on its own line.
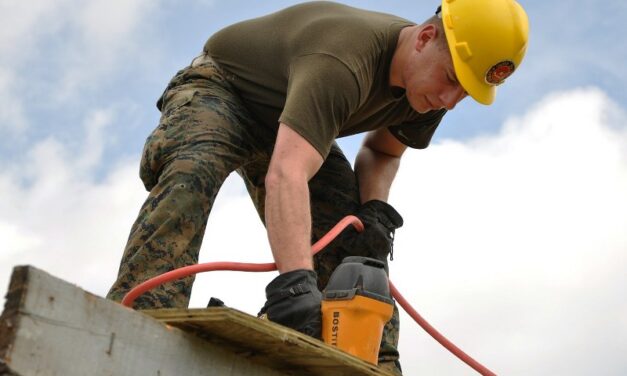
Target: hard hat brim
column 479, row 90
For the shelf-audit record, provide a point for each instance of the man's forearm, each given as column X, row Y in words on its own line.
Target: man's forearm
column 375, row 173
column 288, row 214
column 288, row 221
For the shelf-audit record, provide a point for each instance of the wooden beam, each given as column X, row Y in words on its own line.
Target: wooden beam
column 51, row 327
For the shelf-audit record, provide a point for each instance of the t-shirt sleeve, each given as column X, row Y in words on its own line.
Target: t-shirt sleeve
column 417, row 133
column 321, row 94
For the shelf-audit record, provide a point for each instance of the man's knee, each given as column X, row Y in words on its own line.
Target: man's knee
column 181, row 194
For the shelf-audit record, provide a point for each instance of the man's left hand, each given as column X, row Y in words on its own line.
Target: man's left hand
column 380, row 221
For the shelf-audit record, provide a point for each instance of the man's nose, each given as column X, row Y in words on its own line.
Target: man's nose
column 452, row 96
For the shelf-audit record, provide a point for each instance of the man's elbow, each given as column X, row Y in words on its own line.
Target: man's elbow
column 281, row 176
column 383, row 143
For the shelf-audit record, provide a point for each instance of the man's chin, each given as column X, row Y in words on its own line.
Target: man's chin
column 420, row 106
column 421, row 109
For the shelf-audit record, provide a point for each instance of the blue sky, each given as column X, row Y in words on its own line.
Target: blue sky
column 515, row 226
column 60, row 61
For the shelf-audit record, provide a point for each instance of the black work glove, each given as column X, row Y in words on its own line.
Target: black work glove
column 380, row 221
column 293, row 300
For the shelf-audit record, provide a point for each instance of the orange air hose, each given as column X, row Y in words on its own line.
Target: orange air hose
column 185, row 271
column 238, row 266
column 450, row 346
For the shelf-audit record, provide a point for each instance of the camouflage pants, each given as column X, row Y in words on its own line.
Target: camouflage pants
column 204, row 134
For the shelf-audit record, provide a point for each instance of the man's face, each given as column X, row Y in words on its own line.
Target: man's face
column 429, row 76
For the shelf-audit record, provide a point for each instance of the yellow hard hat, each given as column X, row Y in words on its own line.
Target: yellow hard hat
column 487, row 40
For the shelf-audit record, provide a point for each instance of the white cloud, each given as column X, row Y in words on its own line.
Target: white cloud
column 12, row 118
column 20, row 240
column 108, row 23
column 22, row 23
column 514, row 243
column 106, row 36
column 234, row 233
column 55, row 216
column 23, row 28
column 81, row 43
column 518, row 242
column 94, row 144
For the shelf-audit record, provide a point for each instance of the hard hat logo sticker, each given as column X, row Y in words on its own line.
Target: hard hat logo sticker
column 499, row 72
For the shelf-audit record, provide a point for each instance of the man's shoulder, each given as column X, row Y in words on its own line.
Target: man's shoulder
column 357, row 37
column 343, row 16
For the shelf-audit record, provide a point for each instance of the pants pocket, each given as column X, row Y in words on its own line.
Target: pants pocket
column 174, row 99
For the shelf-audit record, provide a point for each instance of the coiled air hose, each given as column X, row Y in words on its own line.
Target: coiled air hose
column 185, row 271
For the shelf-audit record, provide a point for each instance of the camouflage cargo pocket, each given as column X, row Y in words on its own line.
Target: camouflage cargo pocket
column 161, row 145
column 176, row 98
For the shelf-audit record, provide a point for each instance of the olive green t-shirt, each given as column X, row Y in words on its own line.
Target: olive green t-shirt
column 323, row 69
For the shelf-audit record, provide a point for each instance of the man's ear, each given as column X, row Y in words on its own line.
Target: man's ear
column 426, row 34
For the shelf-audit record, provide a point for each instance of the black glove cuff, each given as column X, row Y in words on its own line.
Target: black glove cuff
column 286, row 281
column 385, row 213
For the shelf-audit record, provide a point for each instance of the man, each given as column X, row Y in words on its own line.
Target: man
column 267, row 99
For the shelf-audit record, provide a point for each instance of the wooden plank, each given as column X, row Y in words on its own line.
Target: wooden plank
column 52, row 328
column 266, row 342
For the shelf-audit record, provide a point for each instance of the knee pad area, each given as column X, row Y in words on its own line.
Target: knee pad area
column 183, row 193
